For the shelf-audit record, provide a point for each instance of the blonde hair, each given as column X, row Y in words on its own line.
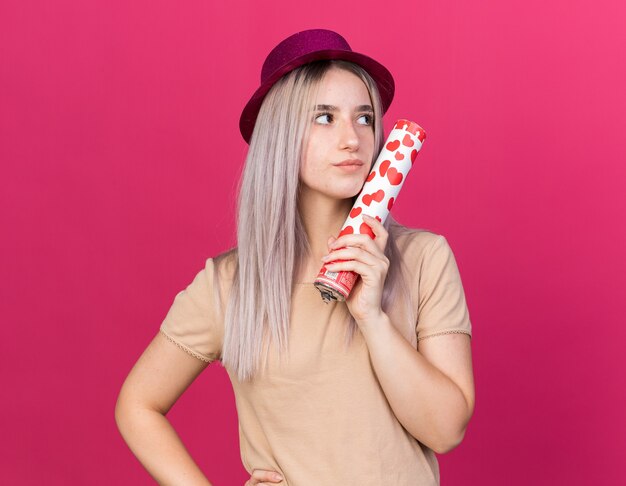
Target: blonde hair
column 272, row 243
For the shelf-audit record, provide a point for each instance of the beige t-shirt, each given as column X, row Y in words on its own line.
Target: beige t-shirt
column 321, row 416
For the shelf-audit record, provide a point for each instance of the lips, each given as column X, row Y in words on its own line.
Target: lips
column 350, row 162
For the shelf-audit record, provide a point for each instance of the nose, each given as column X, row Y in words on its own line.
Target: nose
column 349, row 136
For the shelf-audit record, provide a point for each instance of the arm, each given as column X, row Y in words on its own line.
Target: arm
column 160, row 376
column 433, row 407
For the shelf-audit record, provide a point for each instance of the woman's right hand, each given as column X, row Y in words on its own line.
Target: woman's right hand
column 260, row 475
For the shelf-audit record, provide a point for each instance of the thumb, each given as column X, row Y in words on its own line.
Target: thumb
column 331, row 239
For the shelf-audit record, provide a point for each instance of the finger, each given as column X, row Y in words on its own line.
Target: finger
column 352, row 253
column 254, row 482
column 378, row 228
column 265, row 475
column 363, row 242
column 364, row 238
column 351, row 266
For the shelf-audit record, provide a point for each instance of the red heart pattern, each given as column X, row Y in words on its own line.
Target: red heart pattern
column 394, row 176
column 408, row 141
column 391, row 146
column 348, row 230
column 365, row 229
column 377, row 196
column 384, row 165
column 355, row 211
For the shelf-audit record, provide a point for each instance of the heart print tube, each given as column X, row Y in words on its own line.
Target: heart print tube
column 376, row 199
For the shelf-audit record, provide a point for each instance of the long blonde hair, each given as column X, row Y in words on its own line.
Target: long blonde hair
column 272, row 243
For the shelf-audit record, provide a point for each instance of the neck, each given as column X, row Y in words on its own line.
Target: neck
column 322, row 217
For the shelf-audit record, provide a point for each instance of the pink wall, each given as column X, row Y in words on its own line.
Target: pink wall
column 119, row 146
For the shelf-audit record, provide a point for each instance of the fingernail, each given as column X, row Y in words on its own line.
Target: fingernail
column 278, row 476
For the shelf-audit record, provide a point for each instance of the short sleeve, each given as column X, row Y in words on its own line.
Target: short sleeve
column 191, row 322
column 442, row 308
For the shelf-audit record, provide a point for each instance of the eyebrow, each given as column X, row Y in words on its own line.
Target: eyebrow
column 334, row 108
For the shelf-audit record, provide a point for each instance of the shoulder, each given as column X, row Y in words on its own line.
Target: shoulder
column 419, row 238
column 425, row 252
column 415, row 243
column 225, row 264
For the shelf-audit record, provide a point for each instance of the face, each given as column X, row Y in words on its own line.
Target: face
column 344, row 130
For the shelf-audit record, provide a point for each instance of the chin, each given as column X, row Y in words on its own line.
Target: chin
column 353, row 193
column 346, row 190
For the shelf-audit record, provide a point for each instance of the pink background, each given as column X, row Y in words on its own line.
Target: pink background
column 120, row 151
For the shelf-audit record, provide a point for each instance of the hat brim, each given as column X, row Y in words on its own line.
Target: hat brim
column 380, row 74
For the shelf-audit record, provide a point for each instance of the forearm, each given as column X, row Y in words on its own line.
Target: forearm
column 425, row 401
column 155, row 443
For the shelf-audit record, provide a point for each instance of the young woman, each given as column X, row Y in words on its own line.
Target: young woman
column 328, row 394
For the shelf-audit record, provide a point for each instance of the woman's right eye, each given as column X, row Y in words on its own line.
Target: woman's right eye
column 323, row 114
